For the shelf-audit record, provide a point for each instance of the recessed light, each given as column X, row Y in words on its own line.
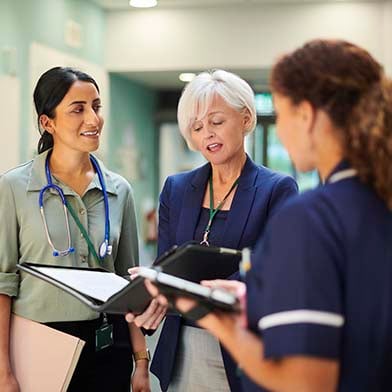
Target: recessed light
column 143, row 3
column 186, row 76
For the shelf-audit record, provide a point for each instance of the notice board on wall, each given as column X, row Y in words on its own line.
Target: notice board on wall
column 10, row 120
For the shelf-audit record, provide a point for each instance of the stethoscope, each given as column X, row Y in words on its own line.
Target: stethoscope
column 104, row 248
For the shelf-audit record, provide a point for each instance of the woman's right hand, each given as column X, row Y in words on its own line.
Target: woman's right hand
column 8, row 382
column 151, row 317
column 133, row 272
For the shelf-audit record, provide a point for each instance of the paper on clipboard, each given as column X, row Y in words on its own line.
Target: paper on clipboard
column 104, row 291
column 95, row 284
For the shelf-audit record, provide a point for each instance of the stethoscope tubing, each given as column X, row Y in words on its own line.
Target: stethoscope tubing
column 56, row 252
column 105, row 197
column 104, row 248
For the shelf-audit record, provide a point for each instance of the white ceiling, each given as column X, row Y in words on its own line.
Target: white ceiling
column 160, row 79
column 124, row 4
column 167, row 80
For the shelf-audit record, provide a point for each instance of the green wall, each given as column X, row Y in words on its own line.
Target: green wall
column 132, row 137
column 25, row 21
column 132, row 105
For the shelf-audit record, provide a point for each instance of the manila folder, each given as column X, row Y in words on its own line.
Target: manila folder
column 42, row 358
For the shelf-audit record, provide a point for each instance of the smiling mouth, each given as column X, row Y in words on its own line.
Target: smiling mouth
column 90, row 133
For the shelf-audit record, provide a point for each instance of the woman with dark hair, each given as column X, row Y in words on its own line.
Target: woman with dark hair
column 320, row 286
column 101, row 233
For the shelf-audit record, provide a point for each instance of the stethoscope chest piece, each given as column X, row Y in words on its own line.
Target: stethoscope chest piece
column 105, row 249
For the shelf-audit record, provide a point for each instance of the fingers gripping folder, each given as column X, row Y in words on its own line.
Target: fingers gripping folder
column 104, row 291
column 207, row 298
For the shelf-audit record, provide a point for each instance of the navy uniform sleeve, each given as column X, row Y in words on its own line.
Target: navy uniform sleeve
column 295, row 284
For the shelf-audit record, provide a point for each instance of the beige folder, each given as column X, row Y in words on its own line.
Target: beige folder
column 42, row 358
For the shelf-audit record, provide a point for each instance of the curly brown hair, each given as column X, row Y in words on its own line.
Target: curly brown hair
column 347, row 83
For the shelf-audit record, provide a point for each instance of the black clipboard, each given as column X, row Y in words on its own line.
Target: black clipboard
column 172, row 287
column 195, row 262
column 134, row 297
column 189, row 261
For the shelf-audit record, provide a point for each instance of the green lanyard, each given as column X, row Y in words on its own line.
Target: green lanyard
column 84, row 233
column 105, row 325
column 213, row 211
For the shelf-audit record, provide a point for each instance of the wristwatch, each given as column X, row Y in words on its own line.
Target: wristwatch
column 145, row 354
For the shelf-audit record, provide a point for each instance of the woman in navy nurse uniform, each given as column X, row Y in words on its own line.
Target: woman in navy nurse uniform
column 320, row 287
column 215, row 112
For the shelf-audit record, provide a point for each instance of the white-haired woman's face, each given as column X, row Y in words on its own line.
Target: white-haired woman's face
column 219, row 135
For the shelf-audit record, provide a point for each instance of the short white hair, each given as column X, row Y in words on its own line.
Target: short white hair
column 199, row 93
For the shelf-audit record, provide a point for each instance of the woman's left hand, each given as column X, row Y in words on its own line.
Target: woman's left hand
column 140, row 381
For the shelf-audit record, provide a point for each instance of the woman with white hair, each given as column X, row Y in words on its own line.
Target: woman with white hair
column 226, row 202
column 325, row 324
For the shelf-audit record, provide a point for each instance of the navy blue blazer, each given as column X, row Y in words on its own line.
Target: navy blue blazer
column 259, row 194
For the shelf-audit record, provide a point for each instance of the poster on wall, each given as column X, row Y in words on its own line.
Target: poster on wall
column 10, row 115
column 43, row 58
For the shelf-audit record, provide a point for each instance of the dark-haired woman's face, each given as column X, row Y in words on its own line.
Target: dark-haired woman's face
column 77, row 124
column 293, row 124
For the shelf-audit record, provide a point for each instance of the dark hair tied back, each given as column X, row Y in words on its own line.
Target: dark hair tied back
column 45, row 142
column 347, row 83
column 50, row 90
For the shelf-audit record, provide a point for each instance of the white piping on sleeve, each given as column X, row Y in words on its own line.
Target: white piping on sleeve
column 300, row 317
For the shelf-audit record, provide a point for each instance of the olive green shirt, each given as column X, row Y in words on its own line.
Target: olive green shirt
column 23, row 238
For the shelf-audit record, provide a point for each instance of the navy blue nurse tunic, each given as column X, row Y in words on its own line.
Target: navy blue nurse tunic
column 321, row 283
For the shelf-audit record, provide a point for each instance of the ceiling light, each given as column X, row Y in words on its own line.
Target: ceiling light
column 143, row 3
column 186, row 76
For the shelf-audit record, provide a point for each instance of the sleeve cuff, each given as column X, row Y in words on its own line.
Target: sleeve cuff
column 302, row 339
column 9, row 284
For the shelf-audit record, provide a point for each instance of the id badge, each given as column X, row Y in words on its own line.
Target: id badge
column 104, row 337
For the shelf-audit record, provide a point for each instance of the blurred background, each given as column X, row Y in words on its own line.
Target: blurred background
column 137, row 55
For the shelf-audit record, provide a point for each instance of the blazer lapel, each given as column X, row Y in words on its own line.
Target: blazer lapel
column 241, row 206
column 191, row 204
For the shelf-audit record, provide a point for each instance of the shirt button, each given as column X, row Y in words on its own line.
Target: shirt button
column 83, row 259
column 82, row 211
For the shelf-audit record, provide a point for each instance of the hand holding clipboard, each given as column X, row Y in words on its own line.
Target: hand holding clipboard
column 202, row 299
